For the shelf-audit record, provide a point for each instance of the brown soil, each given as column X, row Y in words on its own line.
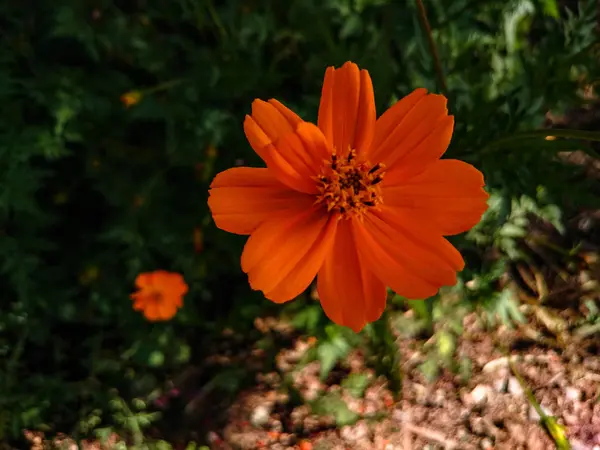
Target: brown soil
column 490, row 410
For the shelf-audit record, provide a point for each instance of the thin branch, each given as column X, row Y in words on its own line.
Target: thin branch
column 432, row 47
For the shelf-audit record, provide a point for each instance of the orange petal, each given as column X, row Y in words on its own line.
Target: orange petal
column 273, row 120
column 347, row 109
column 242, row 198
column 139, row 301
column 167, row 309
column 283, row 255
column 408, row 256
column 143, row 280
column 305, row 150
column 315, row 145
column 325, row 119
column 448, row 194
column 171, row 284
column 152, row 312
column 393, row 116
column 350, row 294
column 412, row 134
column 292, row 118
column 266, row 129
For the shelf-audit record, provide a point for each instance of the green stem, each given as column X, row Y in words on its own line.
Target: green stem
column 391, row 358
column 163, row 86
column 216, row 19
column 432, row 47
column 562, row 133
column 555, row 431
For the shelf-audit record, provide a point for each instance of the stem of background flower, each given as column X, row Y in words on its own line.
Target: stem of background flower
column 568, row 134
column 432, row 47
column 216, row 19
column 163, row 86
column 389, row 360
column 554, row 430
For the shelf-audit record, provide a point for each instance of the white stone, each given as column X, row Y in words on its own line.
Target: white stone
column 534, row 416
column 572, row 394
column 486, row 444
column 480, row 394
column 514, row 387
column 260, row 416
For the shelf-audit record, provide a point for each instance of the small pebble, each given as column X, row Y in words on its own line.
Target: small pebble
column 480, row 394
column 578, row 445
column 572, row 394
column 439, row 397
column 498, row 364
column 477, row 425
column 420, row 393
column 533, row 414
column 260, row 416
column 486, row 444
column 570, row 419
column 355, row 433
column 501, row 385
column 514, row 387
column 276, row 425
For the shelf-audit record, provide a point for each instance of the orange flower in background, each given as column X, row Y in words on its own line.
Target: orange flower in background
column 361, row 203
column 131, row 98
column 159, row 294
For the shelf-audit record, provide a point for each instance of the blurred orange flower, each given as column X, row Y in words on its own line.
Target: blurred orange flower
column 131, row 98
column 159, row 295
column 363, row 203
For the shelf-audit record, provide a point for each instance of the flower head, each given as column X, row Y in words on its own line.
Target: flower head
column 131, row 98
column 359, row 202
column 159, row 294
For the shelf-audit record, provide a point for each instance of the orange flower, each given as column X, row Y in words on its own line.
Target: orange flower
column 159, row 294
column 131, row 98
column 360, row 202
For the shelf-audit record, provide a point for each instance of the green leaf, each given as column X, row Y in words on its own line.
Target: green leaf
column 356, row 384
column 332, row 404
column 156, row 358
column 332, row 349
column 512, row 231
column 446, row 344
column 420, row 308
column 512, row 19
column 138, row 404
column 551, row 8
column 518, row 138
column 352, row 26
column 183, row 354
column 328, row 354
column 504, row 306
column 308, row 318
column 430, row 369
column 162, row 445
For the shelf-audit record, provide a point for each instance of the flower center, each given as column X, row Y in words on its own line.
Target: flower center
column 350, row 186
column 154, row 297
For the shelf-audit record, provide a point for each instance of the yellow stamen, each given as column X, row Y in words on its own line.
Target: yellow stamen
column 349, row 185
